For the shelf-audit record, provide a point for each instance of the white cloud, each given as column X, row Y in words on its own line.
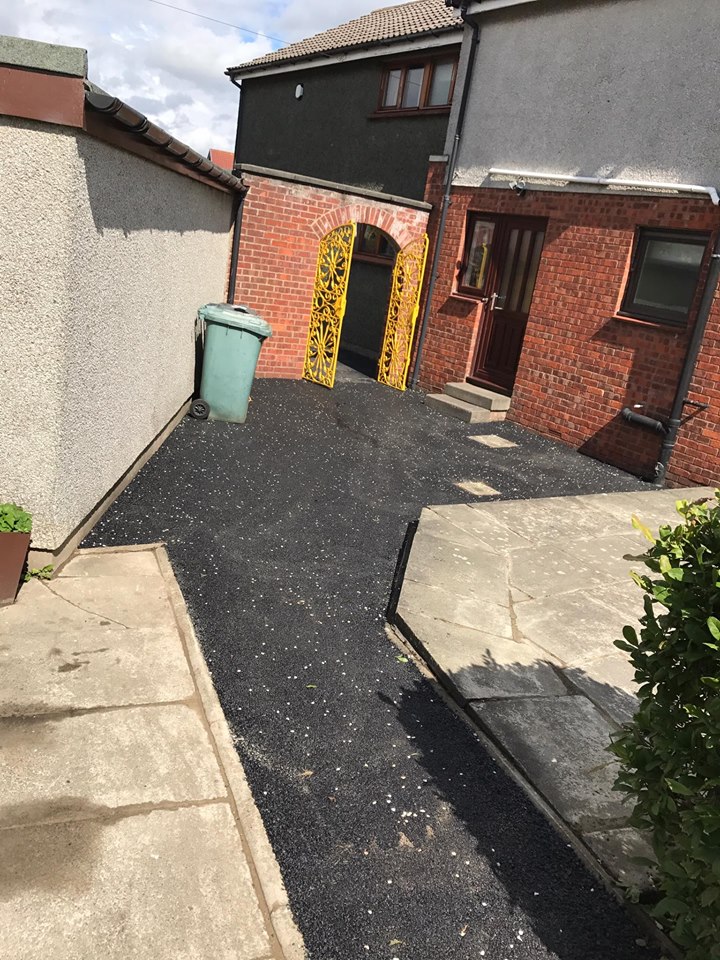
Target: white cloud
column 168, row 64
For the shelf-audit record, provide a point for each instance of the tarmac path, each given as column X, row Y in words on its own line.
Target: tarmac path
column 397, row 834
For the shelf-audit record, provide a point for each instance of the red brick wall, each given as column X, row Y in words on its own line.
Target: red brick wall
column 581, row 365
column 282, row 225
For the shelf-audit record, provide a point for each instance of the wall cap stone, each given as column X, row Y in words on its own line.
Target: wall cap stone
column 331, row 185
column 48, row 57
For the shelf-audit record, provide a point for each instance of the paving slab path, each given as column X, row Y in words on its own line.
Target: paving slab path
column 127, row 828
column 515, row 606
column 397, row 833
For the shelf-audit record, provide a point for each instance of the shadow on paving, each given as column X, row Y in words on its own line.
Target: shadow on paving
column 284, row 535
column 558, row 911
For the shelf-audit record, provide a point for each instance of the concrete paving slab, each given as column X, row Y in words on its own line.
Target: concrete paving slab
column 573, row 627
column 493, row 441
column 80, row 756
column 48, row 610
column 49, row 767
column 50, row 669
column 560, row 744
column 611, row 554
column 128, row 600
column 470, row 570
column 618, row 851
column 555, row 566
column 492, row 533
column 555, row 518
column 433, row 524
column 625, row 597
column 125, row 563
column 610, row 683
column 467, row 610
column 159, row 886
column 477, row 488
column 654, row 507
column 480, row 666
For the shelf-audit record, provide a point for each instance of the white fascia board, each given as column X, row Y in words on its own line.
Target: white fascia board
column 487, row 6
column 449, row 39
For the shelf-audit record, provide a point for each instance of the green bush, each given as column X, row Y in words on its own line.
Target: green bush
column 670, row 752
column 13, row 519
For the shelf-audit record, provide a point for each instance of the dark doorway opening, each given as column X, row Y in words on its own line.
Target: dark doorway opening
column 368, row 296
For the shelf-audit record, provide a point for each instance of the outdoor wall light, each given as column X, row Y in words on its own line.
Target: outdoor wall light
column 299, row 91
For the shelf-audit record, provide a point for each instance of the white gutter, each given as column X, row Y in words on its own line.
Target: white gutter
column 487, row 6
column 609, row 182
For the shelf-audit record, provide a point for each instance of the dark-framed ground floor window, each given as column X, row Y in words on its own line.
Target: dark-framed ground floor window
column 664, row 275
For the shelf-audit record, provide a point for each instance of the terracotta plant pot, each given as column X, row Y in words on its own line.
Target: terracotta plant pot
column 13, row 551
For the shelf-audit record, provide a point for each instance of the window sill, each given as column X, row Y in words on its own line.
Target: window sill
column 467, row 298
column 414, row 112
column 667, row 325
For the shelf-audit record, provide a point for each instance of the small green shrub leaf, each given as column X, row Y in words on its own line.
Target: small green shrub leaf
column 630, row 635
column 622, row 645
column 678, row 787
column 13, row 519
column 639, row 525
column 714, row 627
column 710, row 896
column 695, row 631
column 669, row 906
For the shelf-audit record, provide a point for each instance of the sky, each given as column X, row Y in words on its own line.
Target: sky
column 170, row 65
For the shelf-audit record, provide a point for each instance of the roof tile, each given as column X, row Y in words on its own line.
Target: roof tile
column 389, row 23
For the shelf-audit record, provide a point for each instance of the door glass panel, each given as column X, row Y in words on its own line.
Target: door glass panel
column 392, row 88
column 519, row 272
column 440, row 85
column 478, row 261
column 532, row 275
column 507, row 270
column 413, row 86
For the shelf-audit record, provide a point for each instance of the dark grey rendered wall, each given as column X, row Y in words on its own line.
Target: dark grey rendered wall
column 329, row 133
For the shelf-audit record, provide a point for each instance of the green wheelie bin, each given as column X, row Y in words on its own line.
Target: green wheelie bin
column 233, row 338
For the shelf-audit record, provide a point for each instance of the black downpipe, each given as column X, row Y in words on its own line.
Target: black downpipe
column 237, row 230
column 238, row 129
column 640, row 420
column 232, row 280
column 449, row 175
column 681, row 395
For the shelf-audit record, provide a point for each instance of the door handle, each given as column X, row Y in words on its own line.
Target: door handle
column 492, row 300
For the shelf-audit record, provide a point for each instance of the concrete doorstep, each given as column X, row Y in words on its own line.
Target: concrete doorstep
column 127, row 827
column 514, row 606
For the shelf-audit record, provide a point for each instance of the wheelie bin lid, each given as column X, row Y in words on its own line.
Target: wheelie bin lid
column 236, row 315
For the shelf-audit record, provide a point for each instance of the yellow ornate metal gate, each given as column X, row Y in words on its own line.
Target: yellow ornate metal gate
column 402, row 313
column 328, row 306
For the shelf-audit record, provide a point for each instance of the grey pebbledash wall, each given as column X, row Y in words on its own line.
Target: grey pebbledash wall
column 330, row 133
column 104, row 259
column 623, row 88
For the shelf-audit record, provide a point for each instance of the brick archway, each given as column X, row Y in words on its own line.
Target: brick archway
column 283, row 223
column 376, row 216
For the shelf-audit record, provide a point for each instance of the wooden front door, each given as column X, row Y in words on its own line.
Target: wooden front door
column 513, row 256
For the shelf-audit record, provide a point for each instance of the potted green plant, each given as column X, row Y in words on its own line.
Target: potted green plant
column 15, row 526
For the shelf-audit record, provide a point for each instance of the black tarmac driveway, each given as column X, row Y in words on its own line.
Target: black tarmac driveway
column 397, row 834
